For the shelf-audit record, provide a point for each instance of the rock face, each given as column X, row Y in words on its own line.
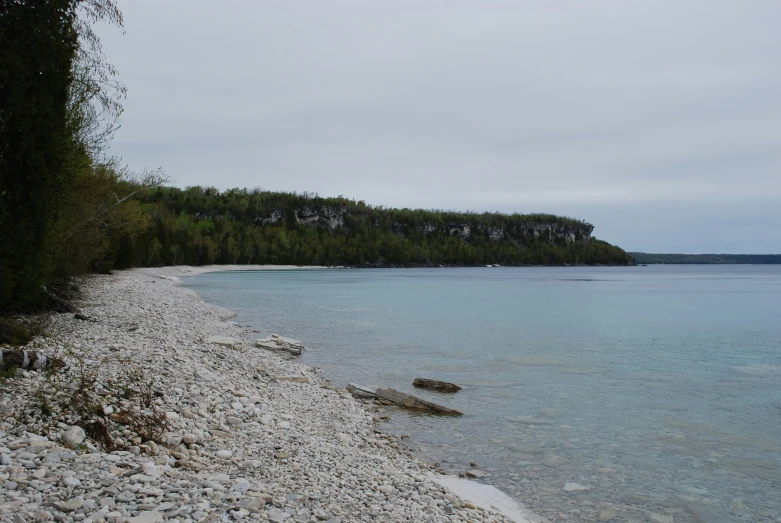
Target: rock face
column 555, row 232
column 409, row 401
column 332, row 217
column 439, row 386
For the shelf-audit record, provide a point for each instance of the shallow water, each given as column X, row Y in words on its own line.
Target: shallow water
column 658, row 388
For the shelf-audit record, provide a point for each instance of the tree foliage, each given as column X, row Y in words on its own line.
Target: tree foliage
column 60, row 196
column 201, row 226
column 706, row 259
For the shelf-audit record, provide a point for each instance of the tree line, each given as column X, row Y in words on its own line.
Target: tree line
column 706, row 259
column 198, row 226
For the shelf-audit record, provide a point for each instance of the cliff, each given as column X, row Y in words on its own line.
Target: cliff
column 202, row 225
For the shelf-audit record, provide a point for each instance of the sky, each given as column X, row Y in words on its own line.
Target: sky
column 658, row 122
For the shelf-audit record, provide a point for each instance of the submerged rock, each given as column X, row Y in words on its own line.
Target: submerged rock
column 409, row 401
column 439, row 386
column 360, row 391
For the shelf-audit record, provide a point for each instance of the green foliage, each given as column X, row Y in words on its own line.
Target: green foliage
column 60, row 199
column 199, row 226
column 13, row 332
column 705, row 259
column 37, row 46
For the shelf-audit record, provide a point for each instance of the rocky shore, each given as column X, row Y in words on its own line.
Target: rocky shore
column 184, row 430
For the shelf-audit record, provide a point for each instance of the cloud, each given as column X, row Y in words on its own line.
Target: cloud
column 517, row 106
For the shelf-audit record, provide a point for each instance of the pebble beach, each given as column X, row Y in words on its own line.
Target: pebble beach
column 245, row 434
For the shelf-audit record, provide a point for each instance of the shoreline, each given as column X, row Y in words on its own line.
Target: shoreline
column 250, row 436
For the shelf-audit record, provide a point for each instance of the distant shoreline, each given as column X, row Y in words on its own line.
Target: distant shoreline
column 643, row 258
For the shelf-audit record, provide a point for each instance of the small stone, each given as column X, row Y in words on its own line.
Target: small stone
column 70, row 506
column 232, row 420
column 476, row 473
column 151, row 516
column 189, row 439
column 469, row 504
column 606, row 514
column 73, row 437
column 224, row 454
column 71, row 482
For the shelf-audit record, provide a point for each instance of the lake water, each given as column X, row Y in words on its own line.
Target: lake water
column 656, row 388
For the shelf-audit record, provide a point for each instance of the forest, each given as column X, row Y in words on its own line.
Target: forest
column 199, row 226
column 68, row 207
column 706, row 259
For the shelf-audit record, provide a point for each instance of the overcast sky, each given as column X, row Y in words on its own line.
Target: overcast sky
column 657, row 121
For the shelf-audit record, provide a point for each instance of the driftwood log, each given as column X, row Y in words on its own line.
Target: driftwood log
column 27, row 359
column 439, row 386
column 408, row 401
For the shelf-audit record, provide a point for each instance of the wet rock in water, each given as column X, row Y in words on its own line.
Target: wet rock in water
column 360, row 391
column 702, row 513
column 409, row 401
column 606, row 514
column 529, row 421
column 439, row 386
column 476, row 473
column 575, row 487
column 653, row 517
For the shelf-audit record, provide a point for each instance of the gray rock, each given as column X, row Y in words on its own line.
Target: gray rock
column 575, row 487
column 409, row 401
column 439, row 386
column 71, row 482
column 151, row 516
column 73, row 437
column 70, row 506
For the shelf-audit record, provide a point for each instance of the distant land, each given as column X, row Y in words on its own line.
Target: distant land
column 705, row 259
column 203, row 226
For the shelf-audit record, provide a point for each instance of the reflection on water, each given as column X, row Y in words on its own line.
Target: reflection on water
column 658, row 389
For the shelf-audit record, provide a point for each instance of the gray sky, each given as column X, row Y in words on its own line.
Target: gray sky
column 658, row 121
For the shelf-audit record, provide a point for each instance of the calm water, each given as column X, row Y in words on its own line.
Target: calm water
column 658, row 388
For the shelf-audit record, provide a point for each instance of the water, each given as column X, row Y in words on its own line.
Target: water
column 658, row 388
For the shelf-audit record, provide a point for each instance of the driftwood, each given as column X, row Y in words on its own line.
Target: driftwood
column 27, row 359
column 439, row 386
column 409, row 401
column 61, row 305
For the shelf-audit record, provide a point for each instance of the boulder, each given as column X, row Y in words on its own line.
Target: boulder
column 73, row 437
column 439, row 386
column 409, row 401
